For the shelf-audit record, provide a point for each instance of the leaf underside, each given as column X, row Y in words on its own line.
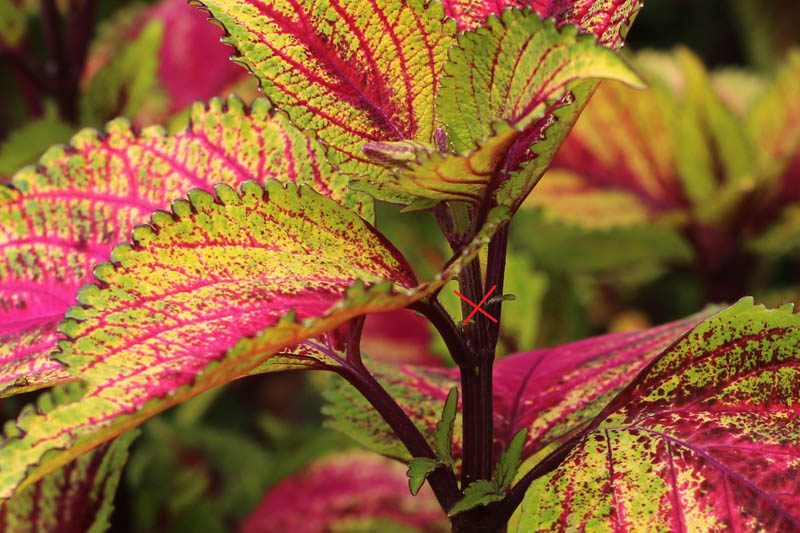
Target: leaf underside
column 552, row 393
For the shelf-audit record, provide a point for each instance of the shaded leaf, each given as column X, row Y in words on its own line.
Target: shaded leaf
column 128, row 84
column 523, row 316
column 626, row 254
column 400, row 337
column 705, row 438
column 510, row 461
column 354, row 491
column 619, row 160
column 75, row 498
column 662, row 175
column 13, row 23
column 776, row 133
column 420, row 391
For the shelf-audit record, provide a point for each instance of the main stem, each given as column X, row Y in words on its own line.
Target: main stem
column 476, row 385
column 476, row 380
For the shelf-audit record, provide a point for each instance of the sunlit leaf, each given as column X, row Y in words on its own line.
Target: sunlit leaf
column 59, row 220
column 191, row 285
column 353, row 72
column 704, row 439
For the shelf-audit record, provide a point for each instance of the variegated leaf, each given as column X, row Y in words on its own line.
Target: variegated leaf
column 499, row 86
column 704, row 439
column 60, row 219
column 76, row 498
column 222, row 287
column 552, row 393
column 354, row 491
column 352, row 72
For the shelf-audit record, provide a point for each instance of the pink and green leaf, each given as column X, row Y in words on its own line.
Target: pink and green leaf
column 619, row 158
column 664, row 153
column 705, row 438
column 773, row 125
column 353, row 491
column 651, row 168
column 350, row 71
column 61, row 219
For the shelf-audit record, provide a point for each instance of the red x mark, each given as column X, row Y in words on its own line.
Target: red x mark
column 478, row 306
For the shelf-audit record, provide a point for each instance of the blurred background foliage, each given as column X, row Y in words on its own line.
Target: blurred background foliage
column 206, row 464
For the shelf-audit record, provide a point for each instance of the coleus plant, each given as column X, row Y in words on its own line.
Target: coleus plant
column 268, row 261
